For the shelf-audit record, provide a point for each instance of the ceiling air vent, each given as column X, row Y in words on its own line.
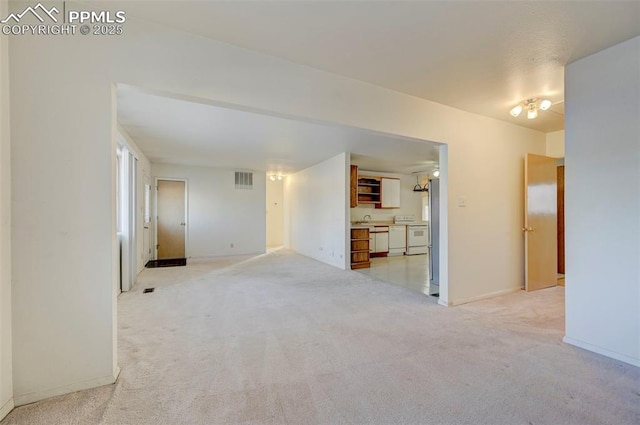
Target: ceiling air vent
column 244, row 180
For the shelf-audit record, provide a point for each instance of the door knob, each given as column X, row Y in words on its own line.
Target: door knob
column 528, row 229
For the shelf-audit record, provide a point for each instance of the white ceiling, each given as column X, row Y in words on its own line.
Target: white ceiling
column 479, row 56
column 186, row 131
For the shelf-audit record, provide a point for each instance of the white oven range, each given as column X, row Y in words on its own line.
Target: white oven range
column 417, row 239
column 417, row 234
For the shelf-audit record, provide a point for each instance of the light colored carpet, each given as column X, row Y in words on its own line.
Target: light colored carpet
column 282, row 339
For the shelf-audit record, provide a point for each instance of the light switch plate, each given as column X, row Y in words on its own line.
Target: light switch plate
column 462, row 201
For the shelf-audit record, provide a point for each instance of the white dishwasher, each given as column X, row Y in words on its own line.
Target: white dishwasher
column 397, row 240
column 379, row 236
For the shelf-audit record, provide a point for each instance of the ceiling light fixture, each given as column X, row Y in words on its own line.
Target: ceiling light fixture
column 532, row 111
column 516, row 110
column 532, row 106
column 545, row 104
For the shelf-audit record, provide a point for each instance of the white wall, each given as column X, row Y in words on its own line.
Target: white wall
column 63, row 216
column 275, row 212
column 555, row 144
column 64, row 343
column 317, row 203
column 220, row 215
column 144, row 167
column 602, row 202
column 410, row 201
column 6, row 379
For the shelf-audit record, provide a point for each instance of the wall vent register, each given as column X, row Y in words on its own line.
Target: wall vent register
column 244, row 180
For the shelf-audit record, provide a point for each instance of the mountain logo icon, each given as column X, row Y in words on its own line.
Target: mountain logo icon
column 38, row 11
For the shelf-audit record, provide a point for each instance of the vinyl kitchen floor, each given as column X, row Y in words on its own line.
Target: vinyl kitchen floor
column 410, row 271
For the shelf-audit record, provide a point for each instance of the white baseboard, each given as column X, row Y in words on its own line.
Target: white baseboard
column 481, row 297
column 21, row 400
column 599, row 350
column 229, row 254
column 6, row 408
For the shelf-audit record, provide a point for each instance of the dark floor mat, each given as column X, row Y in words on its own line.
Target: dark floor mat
column 170, row 262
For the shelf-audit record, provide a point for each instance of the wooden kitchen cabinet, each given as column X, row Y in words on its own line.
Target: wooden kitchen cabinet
column 380, row 192
column 360, row 248
column 368, row 190
column 354, row 186
column 389, row 192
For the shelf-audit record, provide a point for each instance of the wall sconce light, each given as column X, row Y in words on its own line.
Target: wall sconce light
column 436, row 173
column 274, row 177
column 532, row 106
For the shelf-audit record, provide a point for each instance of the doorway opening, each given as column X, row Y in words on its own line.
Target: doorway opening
column 544, row 222
column 126, row 182
column 146, row 219
column 274, row 211
column 395, row 219
column 561, row 256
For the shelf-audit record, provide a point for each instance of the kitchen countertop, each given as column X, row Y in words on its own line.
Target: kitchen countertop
column 355, row 225
column 370, row 224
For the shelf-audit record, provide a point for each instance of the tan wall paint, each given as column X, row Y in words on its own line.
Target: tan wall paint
column 221, row 220
column 555, row 144
column 317, row 200
column 6, row 380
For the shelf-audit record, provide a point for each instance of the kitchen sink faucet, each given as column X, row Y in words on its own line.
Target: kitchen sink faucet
column 365, row 220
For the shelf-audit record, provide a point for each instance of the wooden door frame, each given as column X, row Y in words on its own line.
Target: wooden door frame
column 561, row 219
column 155, row 210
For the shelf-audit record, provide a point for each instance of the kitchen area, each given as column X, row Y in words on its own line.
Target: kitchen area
column 391, row 219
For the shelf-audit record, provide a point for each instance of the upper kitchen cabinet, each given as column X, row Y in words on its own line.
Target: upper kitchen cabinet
column 389, row 192
column 354, row 186
column 369, row 190
column 376, row 191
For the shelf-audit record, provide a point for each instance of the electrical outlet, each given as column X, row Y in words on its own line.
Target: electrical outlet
column 231, row 246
